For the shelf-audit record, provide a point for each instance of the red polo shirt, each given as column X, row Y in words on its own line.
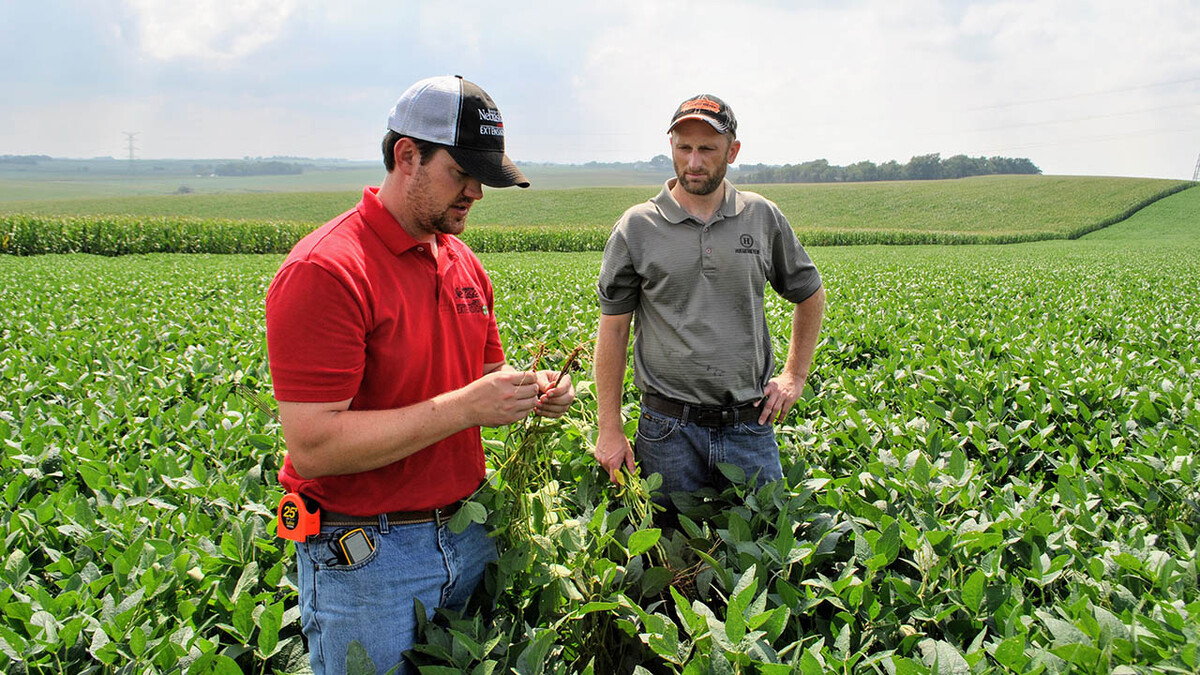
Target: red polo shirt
column 360, row 310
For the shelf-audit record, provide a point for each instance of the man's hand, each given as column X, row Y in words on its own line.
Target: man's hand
column 613, row 451
column 785, row 388
column 501, row 397
column 778, row 398
column 554, row 397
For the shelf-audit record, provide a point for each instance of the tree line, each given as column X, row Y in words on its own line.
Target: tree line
column 921, row 167
column 249, row 168
column 22, row 159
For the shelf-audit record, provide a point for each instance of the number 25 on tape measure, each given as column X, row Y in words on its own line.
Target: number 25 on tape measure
column 298, row 517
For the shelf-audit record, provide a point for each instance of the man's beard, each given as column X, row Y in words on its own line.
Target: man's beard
column 708, row 186
column 429, row 218
column 444, row 224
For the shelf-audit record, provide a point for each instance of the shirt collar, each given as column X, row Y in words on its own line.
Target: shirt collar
column 670, row 209
column 384, row 225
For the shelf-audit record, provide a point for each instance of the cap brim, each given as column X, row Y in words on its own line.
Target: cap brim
column 696, row 116
column 493, row 169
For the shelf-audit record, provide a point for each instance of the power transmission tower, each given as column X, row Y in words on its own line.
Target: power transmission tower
column 1196, row 172
column 129, row 135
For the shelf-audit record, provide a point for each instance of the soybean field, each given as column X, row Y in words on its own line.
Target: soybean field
column 993, row 469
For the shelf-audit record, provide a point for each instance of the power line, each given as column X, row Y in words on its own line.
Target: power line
column 1087, row 118
column 1091, row 139
column 844, row 122
column 1101, row 92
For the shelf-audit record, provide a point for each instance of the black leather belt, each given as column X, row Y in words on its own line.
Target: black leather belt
column 438, row 516
column 705, row 416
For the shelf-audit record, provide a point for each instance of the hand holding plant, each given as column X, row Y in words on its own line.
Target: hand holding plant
column 614, row 452
column 556, row 393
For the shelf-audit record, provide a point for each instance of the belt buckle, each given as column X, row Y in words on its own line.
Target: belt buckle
column 728, row 416
column 442, row 515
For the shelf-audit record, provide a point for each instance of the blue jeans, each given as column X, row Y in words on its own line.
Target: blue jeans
column 686, row 454
column 372, row 600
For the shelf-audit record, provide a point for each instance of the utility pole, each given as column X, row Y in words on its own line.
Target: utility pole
column 129, row 135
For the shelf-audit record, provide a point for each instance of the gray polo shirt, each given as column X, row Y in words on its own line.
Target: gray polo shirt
column 696, row 291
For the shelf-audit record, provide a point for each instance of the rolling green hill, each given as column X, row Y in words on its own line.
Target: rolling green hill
column 1173, row 219
column 993, row 209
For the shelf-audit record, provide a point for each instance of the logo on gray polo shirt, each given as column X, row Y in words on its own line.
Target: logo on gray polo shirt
column 747, row 243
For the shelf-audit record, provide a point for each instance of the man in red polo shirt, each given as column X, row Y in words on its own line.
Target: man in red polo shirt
column 386, row 360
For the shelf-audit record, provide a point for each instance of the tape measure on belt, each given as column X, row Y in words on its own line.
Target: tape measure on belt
column 298, row 518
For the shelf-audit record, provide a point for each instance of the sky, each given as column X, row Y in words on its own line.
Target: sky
column 1080, row 87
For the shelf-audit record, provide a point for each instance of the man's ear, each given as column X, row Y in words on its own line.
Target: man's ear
column 407, row 156
column 733, row 151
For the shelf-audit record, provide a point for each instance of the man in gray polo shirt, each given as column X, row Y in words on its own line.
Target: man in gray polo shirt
column 692, row 265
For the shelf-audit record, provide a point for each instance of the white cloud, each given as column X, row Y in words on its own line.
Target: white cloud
column 802, row 80
column 882, row 79
column 208, row 29
column 1078, row 86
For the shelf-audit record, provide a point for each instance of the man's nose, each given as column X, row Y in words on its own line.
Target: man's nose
column 474, row 189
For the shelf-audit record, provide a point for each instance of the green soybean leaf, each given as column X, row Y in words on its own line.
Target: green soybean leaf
column 972, row 592
column 943, row 657
column 16, row 567
column 270, row 621
column 1064, row 633
column 243, row 620
column 261, row 441
column 1011, row 653
column 469, row 512
column 590, row 607
column 1085, row 656
column 810, row 664
column 888, row 544
column 642, row 541
column 358, row 662
column 216, row 664
column 732, row 472
column 655, row 579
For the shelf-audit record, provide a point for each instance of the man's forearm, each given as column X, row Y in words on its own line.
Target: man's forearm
column 612, row 354
column 806, row 328
column 326, row 439
column 337, row 442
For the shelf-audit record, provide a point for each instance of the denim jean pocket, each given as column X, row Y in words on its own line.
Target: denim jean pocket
column 329, row 552
column 755, row 429
column 655, row 428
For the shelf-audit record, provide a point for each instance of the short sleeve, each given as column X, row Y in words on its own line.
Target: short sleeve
column 316, row 335
column 619, row 285
column 493, row 349
column 793, row 274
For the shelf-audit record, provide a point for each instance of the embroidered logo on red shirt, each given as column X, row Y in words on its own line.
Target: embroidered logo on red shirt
column 471, row 301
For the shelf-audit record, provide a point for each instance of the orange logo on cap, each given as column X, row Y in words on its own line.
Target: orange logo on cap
column 702, row 104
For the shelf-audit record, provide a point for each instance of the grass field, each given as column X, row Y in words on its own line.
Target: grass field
column 66, row 179
column 1062, row 206
column 1175, row 218
column 995, row 209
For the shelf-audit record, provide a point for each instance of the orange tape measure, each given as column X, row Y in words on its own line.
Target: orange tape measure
column 299, row 517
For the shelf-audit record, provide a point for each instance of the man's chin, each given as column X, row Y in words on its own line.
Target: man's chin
column 699, row 186
column 454, row 227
